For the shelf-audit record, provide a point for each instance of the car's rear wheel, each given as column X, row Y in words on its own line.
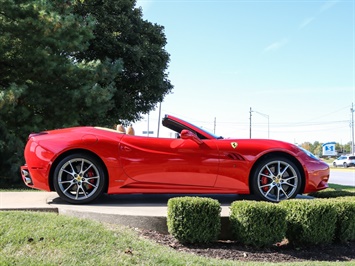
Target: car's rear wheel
column 275, row 179
column 79, row 178
column 345, row 165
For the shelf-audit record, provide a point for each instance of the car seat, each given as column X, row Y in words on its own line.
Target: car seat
column 130, row 130
column 121, row 129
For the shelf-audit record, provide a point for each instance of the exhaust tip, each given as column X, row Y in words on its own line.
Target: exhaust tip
column 28, row 181
column 26, row 177
column 25, row 173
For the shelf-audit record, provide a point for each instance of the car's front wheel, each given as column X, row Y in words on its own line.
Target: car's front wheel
column 79, row 178
column 275, row 179
column 345, row 165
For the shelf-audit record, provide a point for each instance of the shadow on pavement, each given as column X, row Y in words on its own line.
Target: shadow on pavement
column 151, row 200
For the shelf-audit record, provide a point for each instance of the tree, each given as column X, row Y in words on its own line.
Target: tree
column 317, row 148
column 43, row 85
column 121, row 33
column 343, row 148
column 306, row 146
column 74, row 62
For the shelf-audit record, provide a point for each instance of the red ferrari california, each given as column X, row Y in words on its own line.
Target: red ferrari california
column 81, row 163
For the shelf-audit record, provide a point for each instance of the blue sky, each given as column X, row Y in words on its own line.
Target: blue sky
column 290, row 61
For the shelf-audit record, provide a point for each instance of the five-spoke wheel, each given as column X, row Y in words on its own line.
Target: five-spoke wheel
column 276, row 179
column 79, row 178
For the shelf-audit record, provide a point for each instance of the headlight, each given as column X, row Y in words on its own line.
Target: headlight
column 309, row 153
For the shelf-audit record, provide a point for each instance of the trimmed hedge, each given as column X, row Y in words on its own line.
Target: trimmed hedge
column 310, row 222
column 194, row 219
column 345, row 225
column 332, row 193
column 263, row 224
column 258, row 223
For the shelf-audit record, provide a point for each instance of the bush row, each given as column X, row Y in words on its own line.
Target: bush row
column 332, row 193
column 194, row 219
column 262, row 224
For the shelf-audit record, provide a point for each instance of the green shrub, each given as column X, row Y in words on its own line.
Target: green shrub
column 258, row 224
column 345, row 226
column 310, row 222
column 194, row 219
column 331, row 193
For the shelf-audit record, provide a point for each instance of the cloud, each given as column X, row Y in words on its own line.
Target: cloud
column 305, row 22
column 276, row 45
column 327, row 5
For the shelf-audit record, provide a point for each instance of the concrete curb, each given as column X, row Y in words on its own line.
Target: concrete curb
column 155, row 223
column 55, row 210
column 147, row 212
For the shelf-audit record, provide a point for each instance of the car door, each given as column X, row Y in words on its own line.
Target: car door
column 169, row 161
column 233, row 167
column 341, row 160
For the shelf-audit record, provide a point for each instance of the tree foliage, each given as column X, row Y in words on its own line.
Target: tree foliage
column 121, row 33
column 317, row 148
column 64, row 64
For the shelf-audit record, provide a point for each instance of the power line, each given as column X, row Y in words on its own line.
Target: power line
column 282, row 124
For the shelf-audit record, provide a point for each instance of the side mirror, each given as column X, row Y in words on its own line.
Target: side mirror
column 187, row 134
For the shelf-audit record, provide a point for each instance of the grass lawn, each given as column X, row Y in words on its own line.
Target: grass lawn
column 341, row 187
column 50, row 239
column 31, row 238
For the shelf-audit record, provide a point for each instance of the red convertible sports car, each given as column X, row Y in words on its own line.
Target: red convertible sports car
column 81, row 163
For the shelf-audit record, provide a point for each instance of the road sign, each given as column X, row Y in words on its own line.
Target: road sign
column 329, row 149
column 148, row 132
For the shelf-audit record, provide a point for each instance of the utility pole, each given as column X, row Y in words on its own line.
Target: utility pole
column 352, row 128
column 214, row 126
column 250, row 123
column 159, row 120
column 148, row 126
column 268, row 122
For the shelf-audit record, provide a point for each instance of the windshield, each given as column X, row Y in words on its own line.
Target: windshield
column 177, row 125
column 217, row 137
column 206, row 131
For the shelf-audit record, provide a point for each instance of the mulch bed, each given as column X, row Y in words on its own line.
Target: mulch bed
column 282, row 252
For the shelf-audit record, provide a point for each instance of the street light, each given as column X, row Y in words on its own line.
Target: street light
column 352, row 128
column 268, row 122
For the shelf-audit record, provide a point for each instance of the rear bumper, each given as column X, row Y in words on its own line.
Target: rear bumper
column 26, row 177
column 35, row 178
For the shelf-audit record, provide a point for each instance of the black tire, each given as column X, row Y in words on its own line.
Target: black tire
column 345, row 165
column 79, row 178
column 275, row 179
column 335, row 165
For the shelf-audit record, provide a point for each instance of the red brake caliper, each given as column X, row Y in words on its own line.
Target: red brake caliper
column 264, row 180
column 89, row 174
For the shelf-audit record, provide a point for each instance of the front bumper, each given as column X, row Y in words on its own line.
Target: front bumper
column 318, row 177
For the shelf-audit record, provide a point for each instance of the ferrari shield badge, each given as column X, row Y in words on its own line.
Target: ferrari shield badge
column 234, row 145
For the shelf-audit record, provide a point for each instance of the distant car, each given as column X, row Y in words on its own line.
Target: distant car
column 344, row 161
column 82, row 163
